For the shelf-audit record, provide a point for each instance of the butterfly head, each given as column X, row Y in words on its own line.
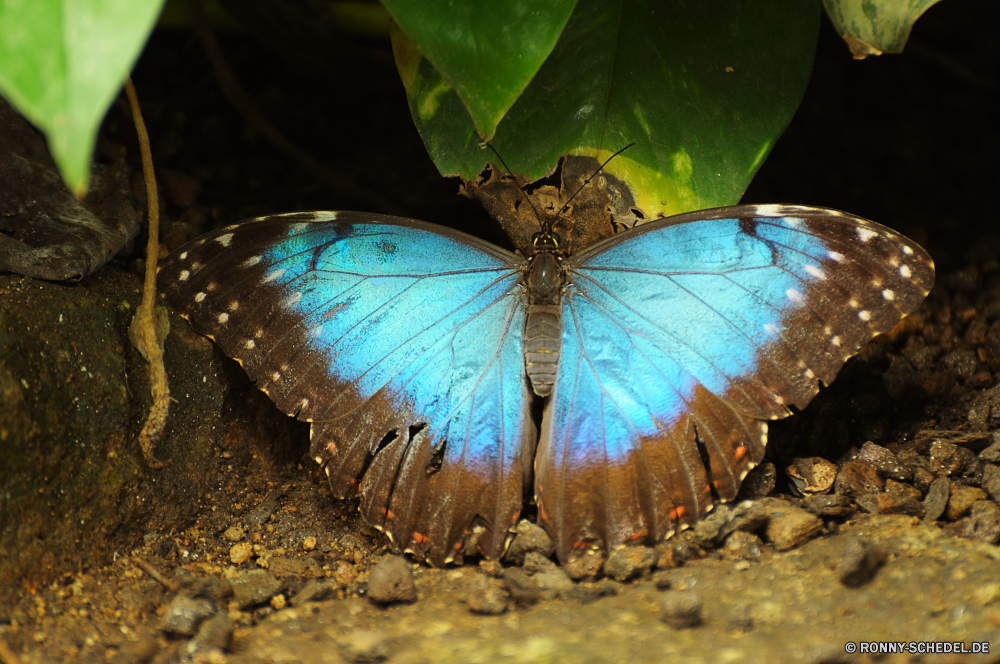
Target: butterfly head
column 546, row 241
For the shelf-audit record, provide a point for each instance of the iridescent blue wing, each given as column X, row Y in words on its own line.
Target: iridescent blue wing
column 400, row 341
column 681, row 339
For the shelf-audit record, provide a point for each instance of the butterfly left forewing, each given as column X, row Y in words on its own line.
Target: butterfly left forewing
column 401, row 343
column 684, row 337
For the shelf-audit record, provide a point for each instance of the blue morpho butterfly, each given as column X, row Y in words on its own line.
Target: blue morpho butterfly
column 663, row 351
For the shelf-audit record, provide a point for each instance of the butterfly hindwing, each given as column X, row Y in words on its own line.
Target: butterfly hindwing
column 681, row 339
column 401, row 343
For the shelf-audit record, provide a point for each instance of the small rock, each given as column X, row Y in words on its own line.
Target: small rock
column 391, row 580
column 282, row 567
column 240, row 553
column 868, row 503
column 234, row 534
column 962, row 498
column 585, row 564
column 857, row 478
column 829, row 506
column 585, row 593
column 937, row 498
column 991, row 481
column 725, row 519
column 899, row 504
column 760, row 481
column 680, row 608
column 811, row 475
column 214, row 633
column 902, row 490
column 489, row 597
column 345, row 574
column 922, row 479
column 743, row 546
column 789, row 526
column 525, row 586
column 491, row 567
column 945, row 458
column 528, row 537
column 184, row 614
column 536, row 563
column 278, row 602
column 314, row 590
column 309, row 543
column 363, row 647
column 254, row 587
column 984, row 409
column 629, row 561
column 212, row 587
column 992, row 453
column 984, row 522
column 858, row 563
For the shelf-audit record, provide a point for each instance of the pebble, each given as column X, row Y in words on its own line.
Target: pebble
column 760, row 481
column 680, row 608
column 858, row 563
column 364, row 646
column 724, row 519
column 936, row 499
column 240, row 553
column 489, row 597
column 829, row 506
column 254, row 587
column 345, row 574
column 528, row 537
column 857, row 478
column 629, row 561
column 539, row 579
column 234, row 534
column 585, row 593
column 984, row 522
column 992, row 453
column 991, row 481
column 962, row 498
column 887, row 503
column 902, row 490
column 184, row 614
column 214, row 633
column 259, row 515
column 585, row 564
column 743, row 546
column 945, row 458
column 789, row 526
column 811, row 475
column 985, row 408
column 314, row 590
column 391, row 580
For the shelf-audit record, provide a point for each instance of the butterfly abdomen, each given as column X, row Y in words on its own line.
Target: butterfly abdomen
column 542, row 341
column 543, row 327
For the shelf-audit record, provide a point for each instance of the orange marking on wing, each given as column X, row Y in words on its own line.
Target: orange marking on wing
column 638, row 535
column 740, row 452
column 419, row 538
column 676, row 513
column 331, row 447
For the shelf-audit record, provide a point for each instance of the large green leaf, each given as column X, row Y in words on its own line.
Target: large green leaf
column 874, row 27
column 703, row 88
column 488, row 52
column 62, row 62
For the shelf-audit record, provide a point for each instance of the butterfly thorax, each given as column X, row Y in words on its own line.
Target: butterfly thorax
column 543, row 327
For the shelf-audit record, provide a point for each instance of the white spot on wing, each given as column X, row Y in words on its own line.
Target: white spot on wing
column 184, row 275
column 275, row 376
column 295, row 229
column 865, row 234
column 904, row 272
column 199, row 297
column 906, row 250
column 835, row 255
column 864, row 315
column 271, row 276
column 835, row 341
column 794, row 295
column 794, row 222
column 224, row 240
column 223, row 317
column 888, row 295
column 292, row 300
column 770, row 329
column 815, row 271
column 234, row 305
column 250, row 262
column 250, row 344
column 184, row 255
column 810, row 374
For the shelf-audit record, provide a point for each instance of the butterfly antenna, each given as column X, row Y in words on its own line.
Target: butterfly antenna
column 511, row 173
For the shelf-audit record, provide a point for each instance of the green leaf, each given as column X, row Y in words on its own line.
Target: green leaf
column 62, row 62
column 487, row 52
column 703, row 88
column 874, row 27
